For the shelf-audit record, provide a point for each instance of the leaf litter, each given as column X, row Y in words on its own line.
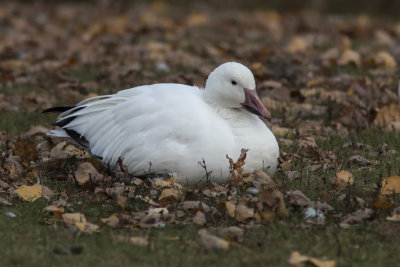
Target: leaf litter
column 317, row 87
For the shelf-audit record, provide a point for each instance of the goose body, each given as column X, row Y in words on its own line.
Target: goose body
column 170, row 128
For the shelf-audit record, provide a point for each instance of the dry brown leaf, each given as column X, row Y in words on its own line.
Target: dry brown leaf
column 395, row 217
column 72, row 218
column 342, row 179
column 356, row 217
column 232, row 233
column 87, row 227
column 58, row 152
column 359, row 160
column 260, row 180
column 236, row 169
column 55, row 210
column 350, row 57
column 86, row 172
column 385, row 60
column 391, row 185
column 298, row 259
column 139, row 241
column 298, row 198
column 30, row 193
column 212, row 242
column 271, row 205
column 35, row 130
column 382, row 202
column 26, row 150
column 170, row 183
column 242, row 212
column 308, row 147
column 4, row 185
column 199, row 218
column 5, row 202
column 231, row 208
column 170, row 194
column 388, row 118
column 112, row 221
column 297, row 44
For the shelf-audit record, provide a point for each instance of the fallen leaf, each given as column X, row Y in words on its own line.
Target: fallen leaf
column 358, row 160
column 212, row 242
column 199, row 218
column 4, row 185
column 391, row 185
column 30, row 193
column 5, row 202
column 72, row 218
column 297, row 259
column 237, row 168
column 87, row 227
column 297, row 197
column 356, row 217
column 242, row 212
column 395, row 217
column 297, row 44
column 232, row 233
column 382, row 202
column 25, row 149
column 86, row 172
column 58, row 211
column 388, row 118
column 308, row 147
column 58, row 152
column 349, row 56
column 342, row 179
column 139, row 241
column 384, row 60
column 112, row 221
column 170, row 194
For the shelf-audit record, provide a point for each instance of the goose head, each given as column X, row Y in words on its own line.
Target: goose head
column 232, row 85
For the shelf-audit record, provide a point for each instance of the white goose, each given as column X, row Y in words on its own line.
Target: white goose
column 170, row 128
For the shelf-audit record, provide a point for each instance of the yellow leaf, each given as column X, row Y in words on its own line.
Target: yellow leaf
column 231, row 208
column 72, row 218
column 297, row 44
column 342, row 179
column 350, row 57
column 30, row 193
column 170, row 193
column 391, row 185
column 384, row 60
column 388, row 118
column 243, row 212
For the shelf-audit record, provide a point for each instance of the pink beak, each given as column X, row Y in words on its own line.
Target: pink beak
column 252, row 103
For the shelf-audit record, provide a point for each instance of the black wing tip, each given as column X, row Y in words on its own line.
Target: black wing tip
column 77, row 137
column 56, row 109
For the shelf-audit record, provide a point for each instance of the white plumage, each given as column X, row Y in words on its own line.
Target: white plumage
column 170, row 128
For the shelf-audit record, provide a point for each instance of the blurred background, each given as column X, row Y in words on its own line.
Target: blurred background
column 313, row 60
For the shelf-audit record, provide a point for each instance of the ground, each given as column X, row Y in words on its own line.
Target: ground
column 329, row 80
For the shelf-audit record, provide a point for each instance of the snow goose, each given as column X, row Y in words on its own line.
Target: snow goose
column 169, row 128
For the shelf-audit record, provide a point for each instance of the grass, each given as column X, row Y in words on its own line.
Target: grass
column 27, row 240
column 36, row 239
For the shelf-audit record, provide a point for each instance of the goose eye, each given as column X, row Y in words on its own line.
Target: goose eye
column 233, row 82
